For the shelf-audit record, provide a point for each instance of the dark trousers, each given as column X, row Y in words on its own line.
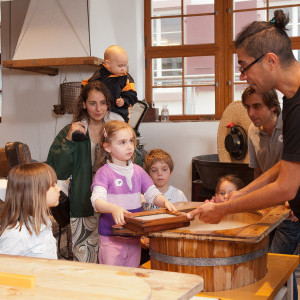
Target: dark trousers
column 284, row 240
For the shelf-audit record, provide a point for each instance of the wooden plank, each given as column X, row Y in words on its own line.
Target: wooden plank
column 60, row 279
column 45, row 65
column 17, row 280
column 41, row 70
column 47, row 62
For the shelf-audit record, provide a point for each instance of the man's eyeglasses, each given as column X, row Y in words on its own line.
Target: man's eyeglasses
column 243, row 70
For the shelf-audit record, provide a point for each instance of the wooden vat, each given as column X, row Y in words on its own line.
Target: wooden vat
column 228, row 255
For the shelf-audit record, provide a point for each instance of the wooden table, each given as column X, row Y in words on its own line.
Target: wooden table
column 60, row 279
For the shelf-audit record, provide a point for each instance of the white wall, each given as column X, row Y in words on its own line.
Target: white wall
column 44, row 20
column 183, row 141
column 28, row 98
column 120, row 22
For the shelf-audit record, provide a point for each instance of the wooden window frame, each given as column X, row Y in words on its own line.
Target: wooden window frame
column 223, row 49
column 214, row 49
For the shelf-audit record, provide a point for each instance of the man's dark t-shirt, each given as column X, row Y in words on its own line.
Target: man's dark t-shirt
column 291, row 139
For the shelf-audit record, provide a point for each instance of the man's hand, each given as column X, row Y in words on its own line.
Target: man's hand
column 233, row 195
column 208, row 212
column 216, row 199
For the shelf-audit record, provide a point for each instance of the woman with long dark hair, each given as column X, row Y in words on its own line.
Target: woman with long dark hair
column 77, row 160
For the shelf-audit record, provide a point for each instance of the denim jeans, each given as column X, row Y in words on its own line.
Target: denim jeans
column 284, row 240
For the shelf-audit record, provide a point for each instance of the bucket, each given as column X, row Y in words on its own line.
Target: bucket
column 210, row 170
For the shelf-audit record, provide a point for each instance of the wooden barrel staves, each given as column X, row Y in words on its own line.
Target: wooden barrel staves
column 227, row 257
column 224, row 265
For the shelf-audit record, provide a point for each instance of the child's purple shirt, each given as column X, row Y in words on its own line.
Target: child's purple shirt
column 119, row 193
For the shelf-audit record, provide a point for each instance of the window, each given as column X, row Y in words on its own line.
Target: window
column 190, row 61
column 185, row 84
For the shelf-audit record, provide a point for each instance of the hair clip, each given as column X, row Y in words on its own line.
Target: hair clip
column 104, row 133
column 273, row 21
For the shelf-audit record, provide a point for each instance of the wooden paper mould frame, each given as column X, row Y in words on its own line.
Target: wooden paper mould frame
column 146, row 226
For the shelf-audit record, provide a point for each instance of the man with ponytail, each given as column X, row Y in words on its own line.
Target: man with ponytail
column 267, row 62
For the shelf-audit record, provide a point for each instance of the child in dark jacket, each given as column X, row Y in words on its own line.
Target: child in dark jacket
column 113, row 72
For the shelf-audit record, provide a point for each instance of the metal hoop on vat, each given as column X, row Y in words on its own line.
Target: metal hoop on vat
column 208, row 262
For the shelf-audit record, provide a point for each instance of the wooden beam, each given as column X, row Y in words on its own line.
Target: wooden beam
column 41, row 70
column 43, row 65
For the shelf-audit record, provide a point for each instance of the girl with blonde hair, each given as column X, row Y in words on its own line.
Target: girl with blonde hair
column 116, row 192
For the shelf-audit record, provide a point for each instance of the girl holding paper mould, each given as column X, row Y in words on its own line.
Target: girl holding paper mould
column 116, row 192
